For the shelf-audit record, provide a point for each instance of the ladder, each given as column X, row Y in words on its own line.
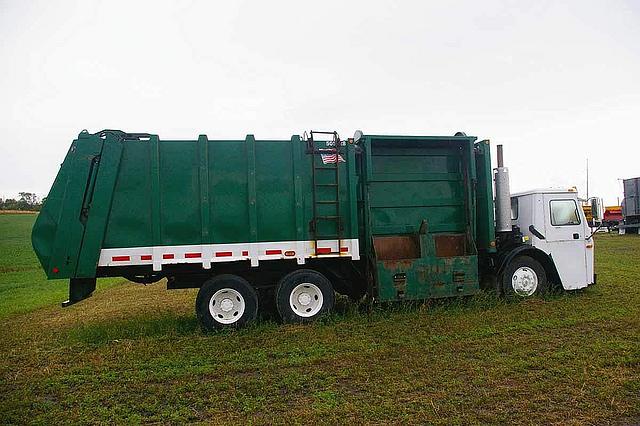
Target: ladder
column 325, row 175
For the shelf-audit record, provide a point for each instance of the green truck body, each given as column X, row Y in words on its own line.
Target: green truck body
column 113, row 193
column 394, row 217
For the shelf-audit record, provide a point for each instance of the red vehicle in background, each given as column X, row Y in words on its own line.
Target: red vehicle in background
column 612, row 217
column 609, row 217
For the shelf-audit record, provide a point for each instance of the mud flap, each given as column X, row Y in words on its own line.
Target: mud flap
column 79, row 289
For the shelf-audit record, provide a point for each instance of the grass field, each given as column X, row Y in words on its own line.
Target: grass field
column 135, row 354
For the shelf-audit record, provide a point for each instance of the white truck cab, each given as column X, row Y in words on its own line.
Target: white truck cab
column 554, row 223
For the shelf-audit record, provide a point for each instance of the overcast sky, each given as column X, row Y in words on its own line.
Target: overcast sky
column 555, row 82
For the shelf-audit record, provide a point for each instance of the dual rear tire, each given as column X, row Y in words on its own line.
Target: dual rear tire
column 303, row 296
column 229, row 301
column 226, row 301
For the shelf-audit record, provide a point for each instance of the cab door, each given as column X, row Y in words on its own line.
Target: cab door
column 565, row 239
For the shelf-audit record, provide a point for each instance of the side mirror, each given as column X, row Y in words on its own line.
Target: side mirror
column 596, row 209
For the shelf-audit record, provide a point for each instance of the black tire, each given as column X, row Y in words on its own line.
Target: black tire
column 227, row 289
column 311, row 287
column 524, row 264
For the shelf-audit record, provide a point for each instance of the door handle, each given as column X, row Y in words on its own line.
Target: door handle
column 576, row 236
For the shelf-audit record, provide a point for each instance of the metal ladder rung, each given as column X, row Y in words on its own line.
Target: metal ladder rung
column 336, row 219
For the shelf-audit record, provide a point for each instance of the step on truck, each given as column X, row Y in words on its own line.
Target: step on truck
column 292, row 222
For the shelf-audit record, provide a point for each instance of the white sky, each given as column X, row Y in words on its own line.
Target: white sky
column 555, row 82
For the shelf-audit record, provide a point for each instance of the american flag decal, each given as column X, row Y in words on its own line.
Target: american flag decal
column 331, row 158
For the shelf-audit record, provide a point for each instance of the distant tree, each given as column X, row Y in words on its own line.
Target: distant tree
column 27, row 201
column 28, row 197
column 10, row 204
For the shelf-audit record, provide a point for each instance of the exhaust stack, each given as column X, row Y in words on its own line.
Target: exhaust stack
column 503, row 195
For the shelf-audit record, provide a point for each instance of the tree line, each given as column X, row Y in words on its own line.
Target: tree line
column 27, row 201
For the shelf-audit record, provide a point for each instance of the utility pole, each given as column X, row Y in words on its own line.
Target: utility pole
column 587, row 178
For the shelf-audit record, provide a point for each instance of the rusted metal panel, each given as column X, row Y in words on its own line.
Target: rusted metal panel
column 427, row 277
column 397, row 247
column 450, row 245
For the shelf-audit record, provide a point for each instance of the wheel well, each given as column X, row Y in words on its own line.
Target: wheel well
column 546, row 261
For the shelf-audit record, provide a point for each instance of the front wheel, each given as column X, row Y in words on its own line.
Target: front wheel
column 226, row 301
column 524, row 277
column 303, row 296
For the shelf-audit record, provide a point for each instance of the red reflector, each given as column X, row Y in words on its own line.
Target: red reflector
column 344, row 249
column 167, row 256
column 224, row 253
column 323, row 250
column 192, row 255
column 55, row 270
column 120, row 258
column 269, row 252
column 289, row 253
column 145, row 257
column 245, row 253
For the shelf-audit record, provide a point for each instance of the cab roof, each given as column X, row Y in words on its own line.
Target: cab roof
column 572, row 190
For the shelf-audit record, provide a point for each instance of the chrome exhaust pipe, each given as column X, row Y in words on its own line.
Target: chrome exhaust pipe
column 503, row 195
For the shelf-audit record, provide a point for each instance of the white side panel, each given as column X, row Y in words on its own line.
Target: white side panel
column 570, row 263
column 206, row 254
column 566, row 245
column 589, row 257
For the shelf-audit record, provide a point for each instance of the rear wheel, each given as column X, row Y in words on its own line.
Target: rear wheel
column 303, row 296
column 226, row 301
column 524, row 277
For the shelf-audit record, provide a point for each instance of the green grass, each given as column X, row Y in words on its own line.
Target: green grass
column 23, row 284
column 135, row 354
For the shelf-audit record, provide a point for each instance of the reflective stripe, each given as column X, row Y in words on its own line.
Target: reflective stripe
column 206, row 254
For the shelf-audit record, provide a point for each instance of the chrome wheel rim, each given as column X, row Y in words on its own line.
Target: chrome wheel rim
column 306, row 300
column 524, row 281
column 226, row 306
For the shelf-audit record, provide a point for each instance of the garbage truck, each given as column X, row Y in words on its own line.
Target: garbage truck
column 630, row 207
column 293, row 222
